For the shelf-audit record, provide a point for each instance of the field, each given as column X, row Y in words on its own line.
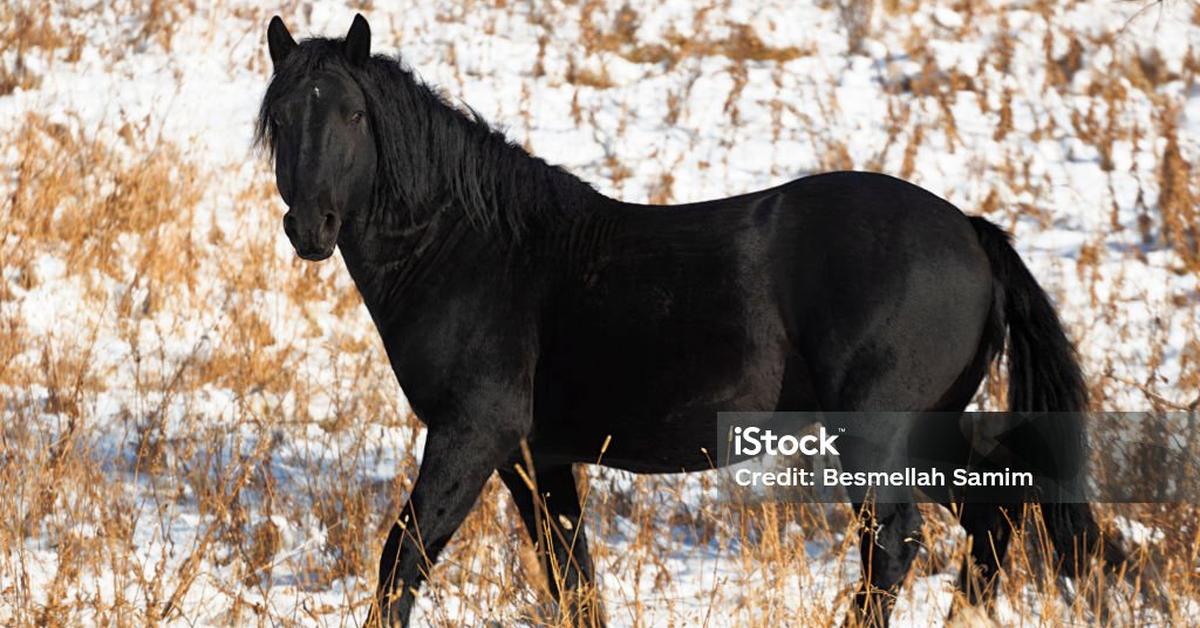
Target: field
column 199, row 428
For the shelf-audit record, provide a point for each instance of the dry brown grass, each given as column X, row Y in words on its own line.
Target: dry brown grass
column 740, row 45
column 196, row 378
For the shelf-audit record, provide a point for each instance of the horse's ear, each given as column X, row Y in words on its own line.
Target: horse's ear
column 357, row 46
column 279, row 41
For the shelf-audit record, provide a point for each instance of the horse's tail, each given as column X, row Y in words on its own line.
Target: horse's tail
column 1044, row 376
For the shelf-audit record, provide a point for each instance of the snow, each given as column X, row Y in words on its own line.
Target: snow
column 1132, row 313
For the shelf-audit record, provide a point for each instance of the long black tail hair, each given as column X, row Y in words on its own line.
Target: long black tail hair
column 1044, row 376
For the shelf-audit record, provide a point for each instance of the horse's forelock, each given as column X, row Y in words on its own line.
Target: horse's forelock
column 311, row 55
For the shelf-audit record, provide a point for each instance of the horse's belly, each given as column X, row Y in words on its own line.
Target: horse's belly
column 657, row 412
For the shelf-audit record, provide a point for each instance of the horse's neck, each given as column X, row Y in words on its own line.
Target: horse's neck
column 398, row 263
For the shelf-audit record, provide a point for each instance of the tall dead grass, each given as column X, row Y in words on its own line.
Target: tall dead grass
column 191, row 438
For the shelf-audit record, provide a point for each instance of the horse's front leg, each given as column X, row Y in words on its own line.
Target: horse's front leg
column 459, row 457
column 553, row 518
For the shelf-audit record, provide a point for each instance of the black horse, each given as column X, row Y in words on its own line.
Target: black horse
column 517, row 305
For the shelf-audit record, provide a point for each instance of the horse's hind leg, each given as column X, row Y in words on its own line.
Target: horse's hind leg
column 891, row 537
column 555, row 525
column 989, row 531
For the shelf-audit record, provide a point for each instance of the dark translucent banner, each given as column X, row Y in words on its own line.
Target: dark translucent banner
column 982, row 457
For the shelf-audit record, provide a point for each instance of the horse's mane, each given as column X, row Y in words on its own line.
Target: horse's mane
column 430, row 153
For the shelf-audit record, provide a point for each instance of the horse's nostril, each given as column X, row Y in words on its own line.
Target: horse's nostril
column 330, row 221
column 289, row 225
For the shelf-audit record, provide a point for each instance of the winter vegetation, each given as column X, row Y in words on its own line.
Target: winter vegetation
column 199, row 428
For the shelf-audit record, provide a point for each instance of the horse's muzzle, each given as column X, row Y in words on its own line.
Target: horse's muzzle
column 315, row 256
column 312, row 237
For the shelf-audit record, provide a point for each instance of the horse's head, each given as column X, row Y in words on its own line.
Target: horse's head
column 314, row 118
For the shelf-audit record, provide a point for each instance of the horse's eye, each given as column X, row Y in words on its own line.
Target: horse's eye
column 357, row 117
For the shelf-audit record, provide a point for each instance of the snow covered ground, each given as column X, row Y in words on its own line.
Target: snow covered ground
column 200, row 429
